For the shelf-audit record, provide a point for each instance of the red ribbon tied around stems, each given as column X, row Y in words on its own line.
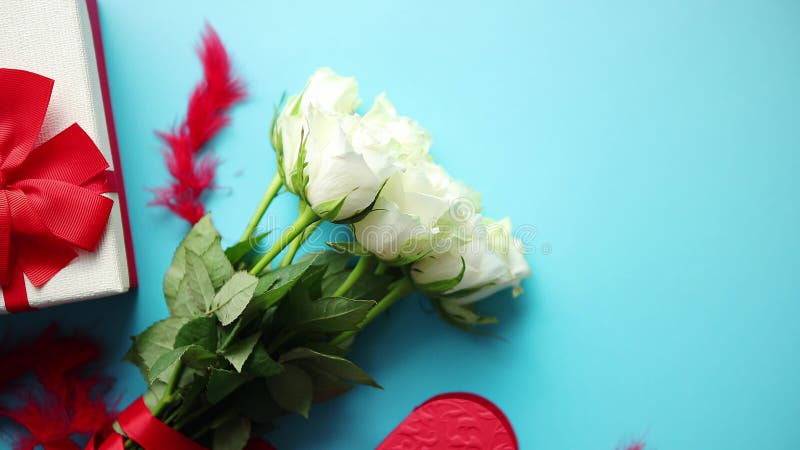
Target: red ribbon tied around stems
column 151, row 434
column 50, row 195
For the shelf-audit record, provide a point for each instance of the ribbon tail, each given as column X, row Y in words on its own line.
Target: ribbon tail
column 15, row 294
column 5, row 240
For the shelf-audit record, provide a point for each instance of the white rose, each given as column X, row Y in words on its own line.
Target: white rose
column 338, row 181
column 416, row 210
column 492, row 261
column 325, row 91
column 329, row 92
column 381, row 129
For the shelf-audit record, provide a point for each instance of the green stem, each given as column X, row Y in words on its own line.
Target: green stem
column 355, row 274
column 197, row 413
column 381, row 268
column 229, row 412
column 172, row 417
column 200, row 412
column 166, row 399
column 227, row 341
column 269, row 195
column 297, row 243
column 400, row 289
column 168, row 396
column 306, row 218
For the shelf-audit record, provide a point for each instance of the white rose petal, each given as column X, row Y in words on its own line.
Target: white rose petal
column 414, row 214
column 330, row 92
column 381, row 129
column 336, row 171
column 324, row 91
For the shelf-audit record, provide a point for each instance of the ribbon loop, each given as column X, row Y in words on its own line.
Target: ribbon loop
column 24, row 97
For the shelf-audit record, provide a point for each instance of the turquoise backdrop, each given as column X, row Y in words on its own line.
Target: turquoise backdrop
column 649, row 151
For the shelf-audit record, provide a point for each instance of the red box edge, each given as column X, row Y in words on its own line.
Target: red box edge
column 94, row 20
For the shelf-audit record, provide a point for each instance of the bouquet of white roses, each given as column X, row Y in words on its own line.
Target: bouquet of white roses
column 254, row 335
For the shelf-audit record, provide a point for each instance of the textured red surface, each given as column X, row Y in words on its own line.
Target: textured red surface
column 458, row 420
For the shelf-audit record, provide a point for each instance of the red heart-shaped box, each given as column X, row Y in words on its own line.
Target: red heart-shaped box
column 457, row 420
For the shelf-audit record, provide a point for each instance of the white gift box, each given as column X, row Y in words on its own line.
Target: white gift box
column 60, row 39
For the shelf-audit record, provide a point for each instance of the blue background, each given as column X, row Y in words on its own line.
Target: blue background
column 652, row 145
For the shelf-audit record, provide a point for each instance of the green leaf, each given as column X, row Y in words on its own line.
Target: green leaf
column 196, row 283
column 274, row 134
column 311, row 282
column 155, row 341
column 172, row 281
column 352, row 248
column 465, row 318
column 401, row 260
column 328, row 314
column 298, row 176
column 468, row 291
column 190, row 295
column 192, row 355
column 268, row 319
column 330, row 209
column 238, row 352
column 221, row 383
column 273, row 285
column 153, row 394
column 232, row 299
column 262, row 365
column 253, row 401
column 363, row 213
column 204, row 241
column 236, row 252
column 327, row 386
column 332, row 364
column 333, row 261
column 118, row 429
column 292, row 389
column 327, row 348
column 201, row 331
column 368, row 286
column 443, row 285
column 466, row 314
column 232, row 435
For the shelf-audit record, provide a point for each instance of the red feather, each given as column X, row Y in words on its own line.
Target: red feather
column 68, row 399
column 206, row 115
column 636, row 445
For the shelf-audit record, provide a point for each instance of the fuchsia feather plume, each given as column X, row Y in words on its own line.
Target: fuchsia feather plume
column 207, row 113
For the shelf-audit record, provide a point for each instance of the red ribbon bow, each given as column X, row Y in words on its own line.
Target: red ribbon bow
column 50, row 198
